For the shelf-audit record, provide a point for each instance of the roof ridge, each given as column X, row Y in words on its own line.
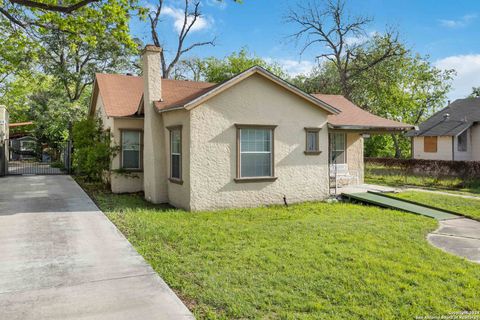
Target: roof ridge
column 189, row 81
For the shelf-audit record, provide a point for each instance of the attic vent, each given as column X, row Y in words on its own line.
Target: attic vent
column 446, row 116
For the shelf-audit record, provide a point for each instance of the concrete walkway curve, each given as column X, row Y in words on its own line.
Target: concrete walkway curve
column 61, row 258
column 460, row 237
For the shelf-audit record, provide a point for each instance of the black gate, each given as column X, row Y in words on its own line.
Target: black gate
column 28, row 156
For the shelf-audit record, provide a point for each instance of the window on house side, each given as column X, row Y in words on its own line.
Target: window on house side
column 430, row 144
column 256, row 152
column 131, row 149
column 337, row 148
column 176, row 153
column 462, row 141
column 312, row 141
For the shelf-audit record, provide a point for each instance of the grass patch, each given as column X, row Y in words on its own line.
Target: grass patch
column 465, row 206
column 307, row 261
column 397, row 177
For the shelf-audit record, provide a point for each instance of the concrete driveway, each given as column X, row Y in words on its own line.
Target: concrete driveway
column 61, row 258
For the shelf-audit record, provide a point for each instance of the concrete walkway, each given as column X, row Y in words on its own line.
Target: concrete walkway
column 61, row 258
column 458, row 236
column 459, row 195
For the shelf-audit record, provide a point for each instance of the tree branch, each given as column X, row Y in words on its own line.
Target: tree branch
column 51, row 7
column 11, row 18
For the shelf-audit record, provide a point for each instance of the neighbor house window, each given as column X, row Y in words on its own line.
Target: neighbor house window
column 430, row 144
column 255, row 145
column 462, row 141
column 337, row 148
column 131, row 153
column 175, row 154
column 312, row 141
column 27, row 145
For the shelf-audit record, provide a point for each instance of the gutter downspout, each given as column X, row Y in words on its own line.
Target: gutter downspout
column 453, row 148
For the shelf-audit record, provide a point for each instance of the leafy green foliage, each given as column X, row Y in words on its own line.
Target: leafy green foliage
column 73, row 59
column 475, row 92
column 16, row 53
column 219, row 70
column 40, row 98
column 92, row 149
column 405, row 88
column 70, row 47
column 307, row 261
column 53, row 115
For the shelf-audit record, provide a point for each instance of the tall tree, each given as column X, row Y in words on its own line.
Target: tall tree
column 189, row 69
column 339, row 38
column 407, row 89
column 219, row 70
column 17, row 11
column 191, row 15
column 70, row 46
column 404, row 88
column 74, row 61
column 475, row 92
column 28, row 14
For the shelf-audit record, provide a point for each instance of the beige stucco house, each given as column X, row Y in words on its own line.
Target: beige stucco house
column 252, row 140
column 452, row 133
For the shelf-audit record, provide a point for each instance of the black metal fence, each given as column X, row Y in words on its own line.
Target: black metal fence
column 3, row 160
column 26, row 156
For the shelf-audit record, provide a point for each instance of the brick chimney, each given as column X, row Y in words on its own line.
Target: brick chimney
column 154, row 167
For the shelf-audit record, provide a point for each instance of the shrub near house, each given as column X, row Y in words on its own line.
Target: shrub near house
column 92, row 149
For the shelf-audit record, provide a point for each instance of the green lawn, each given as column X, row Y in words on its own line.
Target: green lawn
column 397, row 177
column 308, row 261
column 465, row 206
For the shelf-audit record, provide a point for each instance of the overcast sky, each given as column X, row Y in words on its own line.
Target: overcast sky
column 447, row 31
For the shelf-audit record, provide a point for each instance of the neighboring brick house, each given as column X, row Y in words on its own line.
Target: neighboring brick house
column 252, row 140
column 452, row 133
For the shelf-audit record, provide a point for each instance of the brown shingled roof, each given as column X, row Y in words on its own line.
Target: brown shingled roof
column 355, row 117
column 121, row 94
column 176, row 93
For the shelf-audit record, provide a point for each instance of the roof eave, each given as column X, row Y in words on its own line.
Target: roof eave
column 132, row 116
column 181, row 107
column 371, row 128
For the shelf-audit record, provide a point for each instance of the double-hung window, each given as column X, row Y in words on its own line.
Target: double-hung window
column 255, row 147
column 131, row 150
column 175, row 154
column 312, row 146
column 337, row 148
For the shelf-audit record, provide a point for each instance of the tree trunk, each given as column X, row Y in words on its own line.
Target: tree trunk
column 396, row 144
